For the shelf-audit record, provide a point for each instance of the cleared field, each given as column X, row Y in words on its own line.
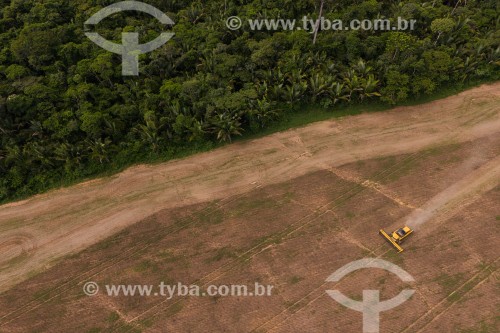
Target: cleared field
column 287, row 210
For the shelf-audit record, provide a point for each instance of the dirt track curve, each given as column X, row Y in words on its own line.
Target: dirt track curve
column 35, row 233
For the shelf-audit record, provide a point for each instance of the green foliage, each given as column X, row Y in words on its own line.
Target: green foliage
column 442, row 25
column 15, row 72
column 67, row 113
column 396, row 88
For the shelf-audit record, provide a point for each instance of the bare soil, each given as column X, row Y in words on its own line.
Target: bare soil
column 286, row 210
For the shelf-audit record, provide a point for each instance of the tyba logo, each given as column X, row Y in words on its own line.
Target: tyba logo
column 371, row 306
column 130, row 49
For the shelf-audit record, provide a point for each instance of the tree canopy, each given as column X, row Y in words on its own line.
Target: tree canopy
column 66, row 112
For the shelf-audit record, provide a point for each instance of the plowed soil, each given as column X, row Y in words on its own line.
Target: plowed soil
column 285, row 210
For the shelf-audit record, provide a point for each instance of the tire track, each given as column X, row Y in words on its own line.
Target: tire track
column 465, row 288
column 453, row 135
column 282, row 236
column 126, row 254
column 487, row 173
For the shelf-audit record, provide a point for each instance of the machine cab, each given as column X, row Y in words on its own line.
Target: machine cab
column 401, row 234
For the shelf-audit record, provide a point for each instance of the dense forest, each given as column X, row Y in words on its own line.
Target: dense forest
column 66, row 111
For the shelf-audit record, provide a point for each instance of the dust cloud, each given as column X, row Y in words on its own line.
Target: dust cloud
column 480, row 175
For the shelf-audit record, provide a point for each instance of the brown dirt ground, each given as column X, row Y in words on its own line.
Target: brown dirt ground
column 286, row 210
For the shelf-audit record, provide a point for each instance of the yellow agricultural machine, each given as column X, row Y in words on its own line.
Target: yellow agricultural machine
column 397, row 237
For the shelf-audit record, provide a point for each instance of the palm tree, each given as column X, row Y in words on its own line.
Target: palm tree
column 13, row 155
column 99, row 150
column 294, row 92
column 194, row 13
column 274, row 77
column 296, row 76
column 40, row 153
column 493, row 56
column 208, row 62
column 298, row 60
column 150, row 131
column 317, row 59
column 369, row 87
column 187, row 126
column 111, row 128
column 329, row 67
column 196, row 129
column 276, row 92
column 319, row 85
column 225, row 126
column 362, row 68
column 262, row 110
column 468, row 68
column 338, row 94
column 262, row 89
column 352, row 83
column 70, row 154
